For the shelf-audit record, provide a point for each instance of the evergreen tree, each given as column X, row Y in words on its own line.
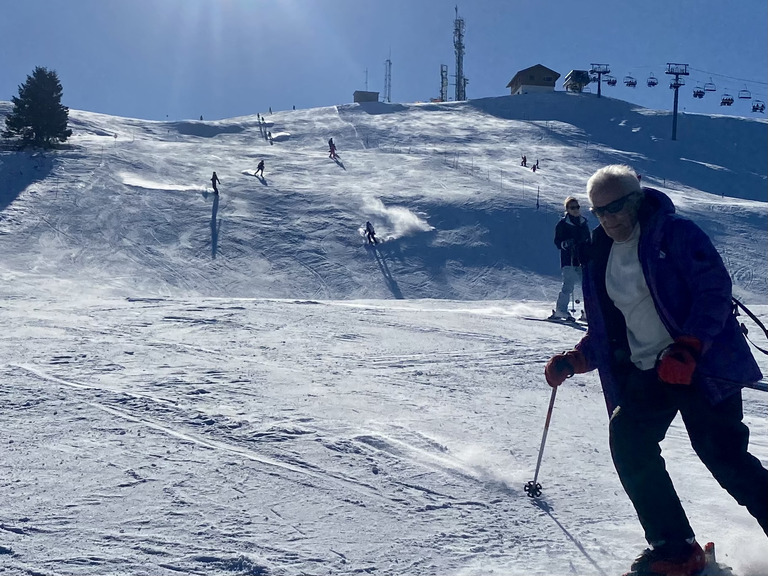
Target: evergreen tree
column 38, row 118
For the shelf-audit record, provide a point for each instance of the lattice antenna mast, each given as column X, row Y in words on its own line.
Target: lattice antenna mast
column 458, row 45
column 599, row 70
column 388, row 78
column 443, row 82
column 676, row 70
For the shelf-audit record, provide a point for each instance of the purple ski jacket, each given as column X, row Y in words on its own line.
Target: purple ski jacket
column 691, row 290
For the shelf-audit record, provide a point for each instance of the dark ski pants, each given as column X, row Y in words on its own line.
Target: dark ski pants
column 717, row 434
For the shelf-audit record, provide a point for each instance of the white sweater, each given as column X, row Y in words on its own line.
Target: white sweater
column 627, row 288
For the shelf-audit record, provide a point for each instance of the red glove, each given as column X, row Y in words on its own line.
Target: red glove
column 677, row 362
column 565, row 365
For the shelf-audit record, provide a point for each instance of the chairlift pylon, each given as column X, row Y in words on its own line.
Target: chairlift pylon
column 726, row 100
column 652, row 80
column 630, row 81
column 745, row 94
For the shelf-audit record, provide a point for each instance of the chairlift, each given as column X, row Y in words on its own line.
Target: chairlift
column 652, row 80
column 610, row 80
column 630, row 81
column 758, row 106
column 745, row 94
column 676, row 82
column 726, row 100
column 710, row 86
column 698, row 92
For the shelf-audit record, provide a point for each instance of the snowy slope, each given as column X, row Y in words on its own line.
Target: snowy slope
column 443, row 183
column 238, row 386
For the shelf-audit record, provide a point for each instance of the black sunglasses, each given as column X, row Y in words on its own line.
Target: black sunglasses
column 612, row 207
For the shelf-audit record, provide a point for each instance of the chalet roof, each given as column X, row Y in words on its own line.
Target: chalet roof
column 527, row 71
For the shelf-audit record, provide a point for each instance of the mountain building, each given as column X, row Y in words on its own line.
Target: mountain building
column 537, row 78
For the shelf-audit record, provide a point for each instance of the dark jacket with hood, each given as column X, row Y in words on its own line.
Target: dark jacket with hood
column 572, row 239
column 691, row 290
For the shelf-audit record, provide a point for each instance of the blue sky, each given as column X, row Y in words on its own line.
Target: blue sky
column 173, row 59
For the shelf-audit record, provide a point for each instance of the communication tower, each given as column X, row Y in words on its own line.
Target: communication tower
column 443, row 82
column 458, row 45
column 388, row 80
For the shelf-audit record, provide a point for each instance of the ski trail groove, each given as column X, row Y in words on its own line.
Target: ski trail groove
column 344, row 481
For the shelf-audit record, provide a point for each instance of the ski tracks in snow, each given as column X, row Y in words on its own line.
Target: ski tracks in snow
column 186, row 435
column 417, row 480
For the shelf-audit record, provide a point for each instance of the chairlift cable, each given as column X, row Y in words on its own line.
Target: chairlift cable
column 730, row 77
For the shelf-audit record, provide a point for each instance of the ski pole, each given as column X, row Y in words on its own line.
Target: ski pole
column 759, row 385
column 533, row 488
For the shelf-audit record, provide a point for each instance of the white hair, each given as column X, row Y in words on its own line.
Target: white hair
column 615, row 176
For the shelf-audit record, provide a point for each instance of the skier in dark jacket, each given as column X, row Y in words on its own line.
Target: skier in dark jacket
column 664, row 340
column 215, row 180
column 572, row 239
column 331, row 149
column 260, row 168
column 370, row 233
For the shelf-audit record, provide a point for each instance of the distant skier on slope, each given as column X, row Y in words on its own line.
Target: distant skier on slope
column 331, row 149
column 215, row 180
column 260, row 169
column 370, row 233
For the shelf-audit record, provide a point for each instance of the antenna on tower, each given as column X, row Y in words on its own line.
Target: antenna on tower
column 458, row 45
column 388, row 78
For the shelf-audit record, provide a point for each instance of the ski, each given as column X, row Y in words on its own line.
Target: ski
column 712, row 567
column 577, row 324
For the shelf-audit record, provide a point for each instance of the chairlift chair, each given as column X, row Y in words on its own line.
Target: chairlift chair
column 745, row 94
column 630, row 81
column 726, row 100
column 710, row 86
column 610, row 80
column 758, row 106
column 698, row 92
column 676, row 82
column 652, row 80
